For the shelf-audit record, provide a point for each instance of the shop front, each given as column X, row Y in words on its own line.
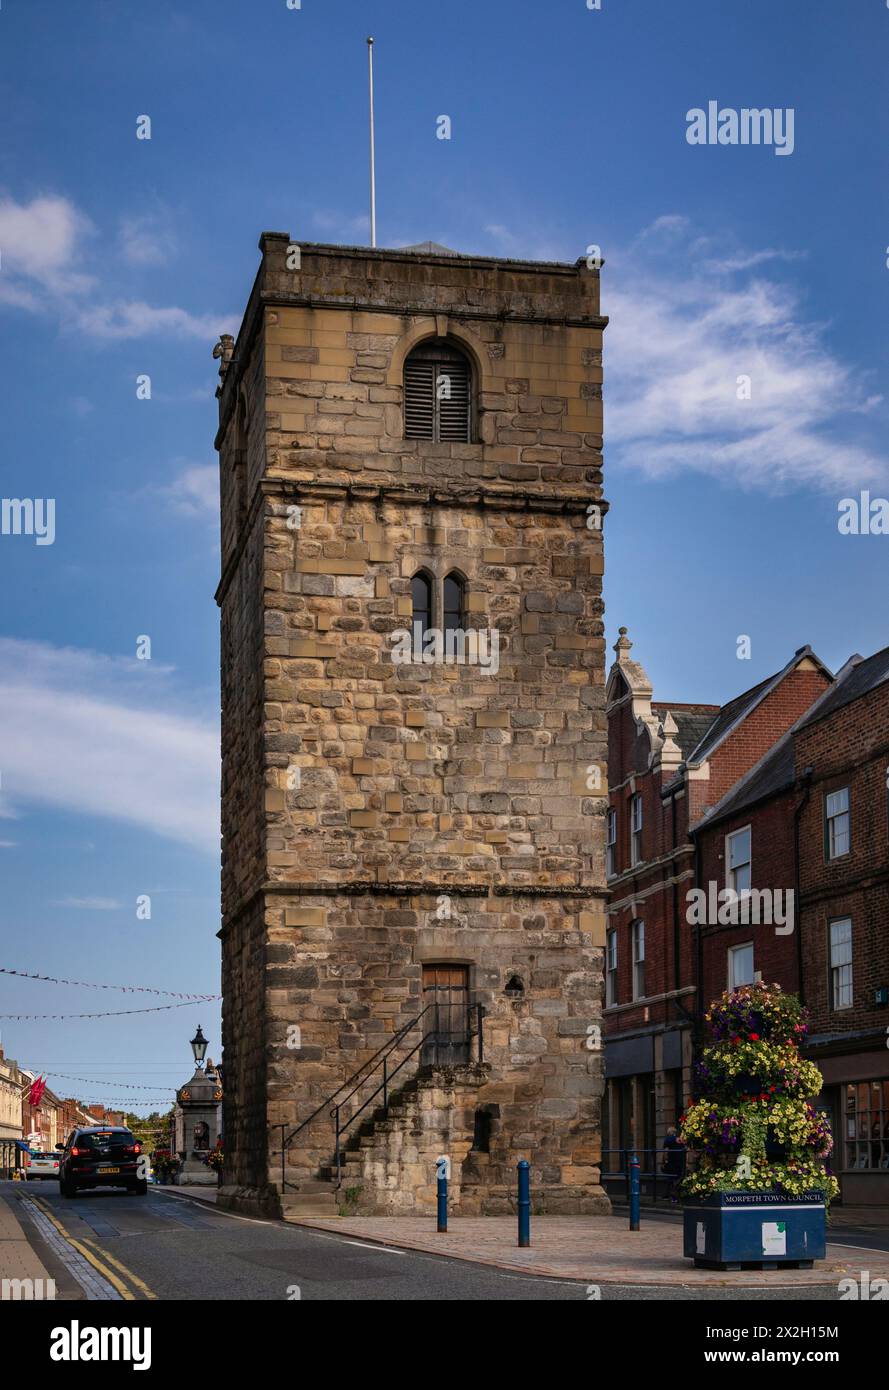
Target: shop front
column 856, row 1093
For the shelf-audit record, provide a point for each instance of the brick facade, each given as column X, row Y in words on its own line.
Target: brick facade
column 763, row 769
column 847, row 746
column 775, row 953
column 681, row 760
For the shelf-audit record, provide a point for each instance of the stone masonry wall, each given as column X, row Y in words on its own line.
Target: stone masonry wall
column 390, row 788
column 348, row 971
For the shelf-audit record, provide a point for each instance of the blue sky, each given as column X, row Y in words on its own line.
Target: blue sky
column 121, row 257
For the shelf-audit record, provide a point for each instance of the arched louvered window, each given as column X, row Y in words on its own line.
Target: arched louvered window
column 421, row 598
column 437, row 394
column 454, row 604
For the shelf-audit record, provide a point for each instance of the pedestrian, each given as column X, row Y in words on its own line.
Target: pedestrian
column 673, row 1163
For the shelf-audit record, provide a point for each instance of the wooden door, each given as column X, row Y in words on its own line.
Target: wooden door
column 446, row 1020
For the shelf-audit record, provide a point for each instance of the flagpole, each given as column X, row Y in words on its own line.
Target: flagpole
column 373, row 187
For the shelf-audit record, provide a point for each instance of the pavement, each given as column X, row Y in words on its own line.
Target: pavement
column 598, row 1250
column 18, row 1260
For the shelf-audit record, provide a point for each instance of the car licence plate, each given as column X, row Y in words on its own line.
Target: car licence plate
column 107, row 1170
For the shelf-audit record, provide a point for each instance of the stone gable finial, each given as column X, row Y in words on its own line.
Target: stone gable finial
column 623, row 645
column 669, row 755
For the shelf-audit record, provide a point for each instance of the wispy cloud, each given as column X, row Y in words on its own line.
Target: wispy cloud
column 524, row 245
column 42, row 244
column 195, row 492
column 341, row 226
column 135, row 319
column 45, row 245
column 148, row 239
column 92, row 904
column 106, row 736
column 749, row 259
column 711, row 374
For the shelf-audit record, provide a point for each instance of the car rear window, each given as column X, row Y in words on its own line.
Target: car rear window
column 112, row 1139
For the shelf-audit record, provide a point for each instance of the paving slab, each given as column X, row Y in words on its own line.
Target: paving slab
column 18, row 1259
column 594, row 1249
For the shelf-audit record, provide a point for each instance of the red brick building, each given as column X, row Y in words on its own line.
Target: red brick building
column 102, row 1116
column 746, row 842
column 842, row 769
column 669, row 766
column 782, row 799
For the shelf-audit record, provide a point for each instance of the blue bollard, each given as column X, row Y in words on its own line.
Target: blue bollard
column 524, row 1203
column 634, row 1192
column 442, row 1168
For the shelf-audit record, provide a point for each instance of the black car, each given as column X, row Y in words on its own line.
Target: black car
column 102, row 1156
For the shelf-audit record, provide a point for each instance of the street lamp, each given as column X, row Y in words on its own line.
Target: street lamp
column 199, row 1045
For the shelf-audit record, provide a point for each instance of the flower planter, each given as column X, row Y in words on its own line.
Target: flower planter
column 765, row 1229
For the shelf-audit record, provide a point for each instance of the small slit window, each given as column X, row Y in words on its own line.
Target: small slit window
column 454, row 605
column 481, row 1138
column 437, row 394
column 421, row 599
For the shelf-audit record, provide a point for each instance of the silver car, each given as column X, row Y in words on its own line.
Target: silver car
column 42, row 1165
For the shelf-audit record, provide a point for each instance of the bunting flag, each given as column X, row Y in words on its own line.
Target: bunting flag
column 121, row 1085
column 113, row 1013
column 87, row 984
column 121, row 1101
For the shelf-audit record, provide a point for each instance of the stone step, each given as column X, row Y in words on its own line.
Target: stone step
column 350, row 1167
column 296, row 1204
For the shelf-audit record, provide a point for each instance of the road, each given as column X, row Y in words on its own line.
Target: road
column 109, row 1245
column 168, row 1246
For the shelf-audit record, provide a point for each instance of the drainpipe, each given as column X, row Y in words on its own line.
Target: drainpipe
column 679, row 1101
column 798, row 922
column 677, row 985
column 699, row 946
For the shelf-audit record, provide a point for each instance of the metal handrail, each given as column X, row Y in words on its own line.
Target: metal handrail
column 340, row 1129
column 655, row 1175
column 387, row 1046
column 363, row 1074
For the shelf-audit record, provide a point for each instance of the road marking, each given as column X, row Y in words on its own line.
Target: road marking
column 364, row 1245
column 93, row 1284
column 133, row 1278
column 90, row 1254
column 221, row 1211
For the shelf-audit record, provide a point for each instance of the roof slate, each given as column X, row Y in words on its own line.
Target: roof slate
column 859, row 679
column 691, row 726
column 728, row 715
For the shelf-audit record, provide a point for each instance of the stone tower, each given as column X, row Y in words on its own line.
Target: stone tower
column 413, row 729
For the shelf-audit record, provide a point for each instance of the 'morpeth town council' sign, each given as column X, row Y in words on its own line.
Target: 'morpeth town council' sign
column 765, row 1199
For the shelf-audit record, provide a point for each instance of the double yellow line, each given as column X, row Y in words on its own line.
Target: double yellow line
column 91, row 1252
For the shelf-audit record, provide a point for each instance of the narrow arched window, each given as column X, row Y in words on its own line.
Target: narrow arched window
column 437, row 394
column 421, row 600
column 454, row 605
